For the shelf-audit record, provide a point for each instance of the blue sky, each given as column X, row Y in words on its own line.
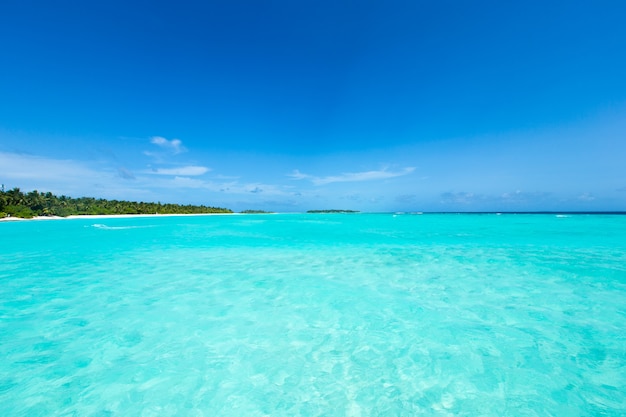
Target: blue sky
column 297, row 105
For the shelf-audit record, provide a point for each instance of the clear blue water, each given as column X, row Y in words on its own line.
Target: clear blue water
column 314, row 315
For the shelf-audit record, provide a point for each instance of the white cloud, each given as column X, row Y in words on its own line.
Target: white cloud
column 517, row 198
column 255, row 188
column 28, row 167
column 78, row 178
column 175, row 145
column 66, row 176
column 186, row 182
column 586, row 197
column 351, row 176
column 297, row 175
column 191, row 170
column 231, row 187
column 461, row 198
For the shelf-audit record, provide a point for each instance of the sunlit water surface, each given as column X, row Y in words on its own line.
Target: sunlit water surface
column 314, row 315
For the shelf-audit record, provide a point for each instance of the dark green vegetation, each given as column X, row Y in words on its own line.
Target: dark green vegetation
column 17, row 204
column 256, row 212
column 332, row 211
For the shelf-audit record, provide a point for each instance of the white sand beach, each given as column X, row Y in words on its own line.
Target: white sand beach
column 112, row 216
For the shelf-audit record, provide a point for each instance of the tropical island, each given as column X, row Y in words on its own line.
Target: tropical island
column 15, row 203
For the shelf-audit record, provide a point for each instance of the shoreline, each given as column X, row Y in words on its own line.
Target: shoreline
column 118, row 216
column 110, row 216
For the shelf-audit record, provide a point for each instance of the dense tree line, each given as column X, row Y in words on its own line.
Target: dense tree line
column 15, row 203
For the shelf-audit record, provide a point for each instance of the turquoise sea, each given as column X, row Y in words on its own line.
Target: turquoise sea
column 314, row 315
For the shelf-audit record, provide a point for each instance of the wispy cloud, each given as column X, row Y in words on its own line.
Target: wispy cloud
column 22, row 167
column 586, row 197
column 82, row 178
column 297, row 175
column 174, row 146
column 226, row 177
column 67, row 176
column 254, row 188
column 191, row 170
column 232, row 187
column 461, row 198
column 125, row 173
column 351, row 176
column 185, row 182
column 518, row 198
column 406, row 198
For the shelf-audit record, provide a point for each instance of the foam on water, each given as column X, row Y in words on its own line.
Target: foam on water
column 314, row 315
column 105, row 227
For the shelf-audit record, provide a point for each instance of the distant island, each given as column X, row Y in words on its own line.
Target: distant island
column 15, row 203
column 332, row 211
column 256, row 212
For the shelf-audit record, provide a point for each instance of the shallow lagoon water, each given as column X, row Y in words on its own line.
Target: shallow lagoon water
column 314, row 315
